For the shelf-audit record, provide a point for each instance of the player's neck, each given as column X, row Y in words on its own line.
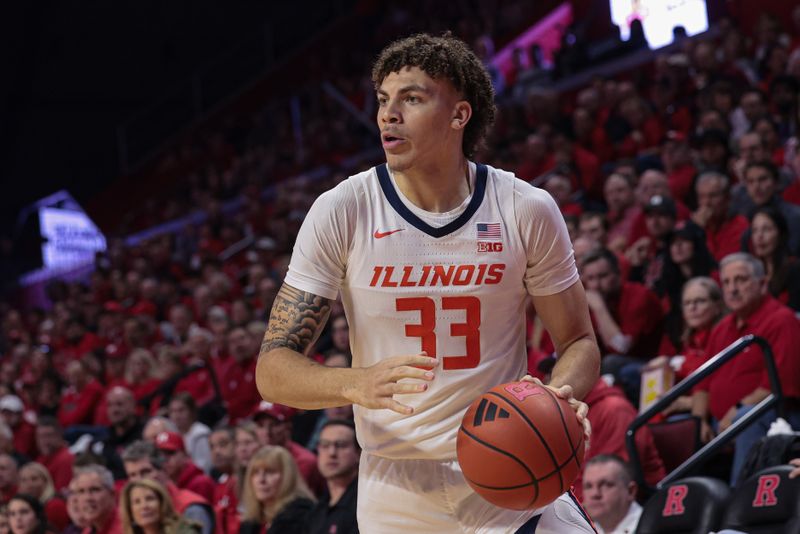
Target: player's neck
column 437, row 187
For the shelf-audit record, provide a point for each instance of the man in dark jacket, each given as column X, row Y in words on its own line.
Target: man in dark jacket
column 338, row 454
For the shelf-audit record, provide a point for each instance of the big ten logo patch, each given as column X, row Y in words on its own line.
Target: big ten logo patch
column 489, row 246
column 674, row 503
column 765, row 493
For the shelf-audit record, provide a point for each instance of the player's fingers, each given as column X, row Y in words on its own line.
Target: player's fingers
column 398, row 407
column 406, row 371
column 581, row 410
column 565, row 391
column 529, row 378
column 406, row 388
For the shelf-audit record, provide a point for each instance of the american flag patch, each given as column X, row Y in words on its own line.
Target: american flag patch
column 489, row 231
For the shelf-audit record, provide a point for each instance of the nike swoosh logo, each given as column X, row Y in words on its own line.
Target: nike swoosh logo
column 381, row 235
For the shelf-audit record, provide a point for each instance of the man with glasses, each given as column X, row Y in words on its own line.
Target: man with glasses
column 93, row 488
column 338, row 455
column 733, row 390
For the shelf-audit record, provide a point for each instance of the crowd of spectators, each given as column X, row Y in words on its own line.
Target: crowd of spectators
column 130, row 404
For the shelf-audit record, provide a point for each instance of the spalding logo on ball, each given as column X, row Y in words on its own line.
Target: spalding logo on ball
column 520, row 446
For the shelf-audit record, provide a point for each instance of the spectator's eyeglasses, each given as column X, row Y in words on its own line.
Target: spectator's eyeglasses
column 338, row 444
column 695, row 302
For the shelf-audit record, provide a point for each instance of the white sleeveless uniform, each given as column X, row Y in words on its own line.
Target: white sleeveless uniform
column 452, row 284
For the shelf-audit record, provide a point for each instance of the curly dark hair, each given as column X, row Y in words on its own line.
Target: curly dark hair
column 450, row 58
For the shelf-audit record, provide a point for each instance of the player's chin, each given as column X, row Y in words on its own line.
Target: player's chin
column 398, row 162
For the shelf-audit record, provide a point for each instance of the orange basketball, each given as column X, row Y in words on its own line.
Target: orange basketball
column 520, row 446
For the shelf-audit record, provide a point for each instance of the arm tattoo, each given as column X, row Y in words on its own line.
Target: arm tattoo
column 296, row 320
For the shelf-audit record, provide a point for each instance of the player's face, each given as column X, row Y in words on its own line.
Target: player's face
column 421, row 119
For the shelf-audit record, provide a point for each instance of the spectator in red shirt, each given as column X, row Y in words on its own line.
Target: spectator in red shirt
column 81, row 397
column 736, row 387
column 769, row 242
column 77, row 341
column 55, row 455
column 9, row 477
column 276, row 419
column 180, row 468
column 559, row 186
column 12, row 412
column 93, row 486
column 610, row 414
column 223, row 471
column 223, row 456
column 677, row 160
column 723, row 229
column 622, row 210
column 238, row 381
column 627, row 318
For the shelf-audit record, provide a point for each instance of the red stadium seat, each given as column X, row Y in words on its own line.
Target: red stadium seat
column 676, row 440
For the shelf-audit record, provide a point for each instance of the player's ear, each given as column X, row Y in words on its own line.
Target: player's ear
column 462, row 112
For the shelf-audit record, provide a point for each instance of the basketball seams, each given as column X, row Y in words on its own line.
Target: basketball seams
column 566, row 430
column 534, row 481
column 536, row 430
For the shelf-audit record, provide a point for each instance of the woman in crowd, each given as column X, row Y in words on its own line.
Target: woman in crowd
column 35, row 480
column 276, row 499
column 146, row 508
column 769, row 235
column 26, row 515
column 702, row 308
column 688, row 257
column 248, row 439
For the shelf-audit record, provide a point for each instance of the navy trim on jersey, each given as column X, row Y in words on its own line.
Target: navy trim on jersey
column 402, row 210
column 530, row 525
column 580, row 507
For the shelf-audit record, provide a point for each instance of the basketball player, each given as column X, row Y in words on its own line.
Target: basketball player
column 434, row 257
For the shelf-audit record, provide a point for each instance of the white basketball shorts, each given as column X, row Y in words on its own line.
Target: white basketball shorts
column 431, row 496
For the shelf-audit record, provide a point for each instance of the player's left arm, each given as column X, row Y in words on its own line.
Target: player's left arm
column 566, row 317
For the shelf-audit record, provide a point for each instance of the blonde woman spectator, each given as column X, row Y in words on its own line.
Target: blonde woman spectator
column 146, row 508
column 34, row 480
column 276, row 500
column 247, row 440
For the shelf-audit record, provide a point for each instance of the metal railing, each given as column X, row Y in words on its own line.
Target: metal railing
column 773, row 400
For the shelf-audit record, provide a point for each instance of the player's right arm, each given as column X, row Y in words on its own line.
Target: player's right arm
column 285, row 375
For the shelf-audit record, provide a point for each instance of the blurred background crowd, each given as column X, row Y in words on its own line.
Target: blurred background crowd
column 127, row 395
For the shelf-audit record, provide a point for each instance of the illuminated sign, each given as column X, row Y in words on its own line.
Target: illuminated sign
column 70, row 238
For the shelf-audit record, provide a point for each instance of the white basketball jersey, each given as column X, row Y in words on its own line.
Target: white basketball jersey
column 456, row 291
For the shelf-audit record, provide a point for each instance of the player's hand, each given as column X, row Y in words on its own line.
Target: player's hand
column 378, row 384
column 794, row 473
column 581, row 408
